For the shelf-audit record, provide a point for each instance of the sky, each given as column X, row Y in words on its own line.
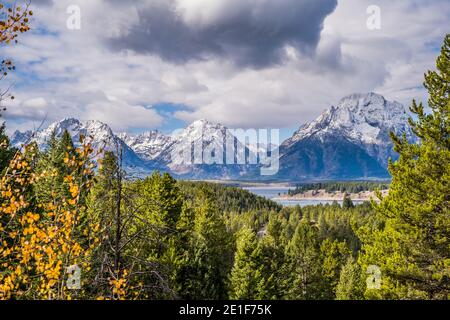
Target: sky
column 162, row 64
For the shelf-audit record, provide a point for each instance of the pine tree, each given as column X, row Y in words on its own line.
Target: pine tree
column 334, row 256
column 161, row 201
column 411, row 245
column 351, row 283
column 135, row 244
column 159, row 207
column 347, row 203
column 270, row 259
column 52, row 164
column 6, row 152
column 245, row 274
column 204, row 263
column 256, row 266
column 303, row 264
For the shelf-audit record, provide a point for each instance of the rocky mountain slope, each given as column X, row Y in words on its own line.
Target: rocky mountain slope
column 147, row 145
column 97, row 133
column 200, row 151
column 349, row 140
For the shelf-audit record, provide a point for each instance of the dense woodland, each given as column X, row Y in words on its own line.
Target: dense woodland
column 69, row 213
column 157, row 238
column 341, row 186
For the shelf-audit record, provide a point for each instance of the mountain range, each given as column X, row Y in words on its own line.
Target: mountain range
column 347, row 141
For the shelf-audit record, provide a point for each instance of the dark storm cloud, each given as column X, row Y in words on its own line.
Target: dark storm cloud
column 42, row 2
column 254, row 34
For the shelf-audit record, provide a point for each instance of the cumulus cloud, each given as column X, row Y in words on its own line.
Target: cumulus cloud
column 120, row 115
column 243, row 63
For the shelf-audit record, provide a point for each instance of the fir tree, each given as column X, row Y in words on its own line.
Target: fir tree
column 347, row 203
column 204, row 265
column 6, row 152
column 411, row 246
column 245, row 274
column 351, row 283
column 161, row 200
column 303, row 264
column 334, row 256
column 52, row 164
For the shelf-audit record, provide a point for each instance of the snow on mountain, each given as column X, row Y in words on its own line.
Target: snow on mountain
column 18, row 138
column 348, row 140
column 200, row 150
column 97, row 133
column 363, row 119
column 147, row 145
column 152, row 150
column 181, row 144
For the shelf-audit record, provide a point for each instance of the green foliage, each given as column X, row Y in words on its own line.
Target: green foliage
column 6, row 152
column 334, row 255
column 159, row 199
column 256, row 267
column 245, row 276
column 303, row 264
column 412, row 239
column 52, row 165
column 204, row 260
column 351, row 285
column 347, row 203
column 232, row 199
column 344, row 186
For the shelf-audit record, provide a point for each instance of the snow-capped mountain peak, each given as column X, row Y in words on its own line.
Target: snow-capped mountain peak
column 96, row 132
column 147, row 145
column 69, row 124
column 202, row 129
column 365, row 118
column 350, row 139
column 18, row 138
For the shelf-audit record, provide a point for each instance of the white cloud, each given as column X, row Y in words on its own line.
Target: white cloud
column 35, row 103
column 73, row 73
column 121, row 116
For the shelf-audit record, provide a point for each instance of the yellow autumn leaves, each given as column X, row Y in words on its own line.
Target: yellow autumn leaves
column 14, row 20
column 119, row 285
column 39, row 241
